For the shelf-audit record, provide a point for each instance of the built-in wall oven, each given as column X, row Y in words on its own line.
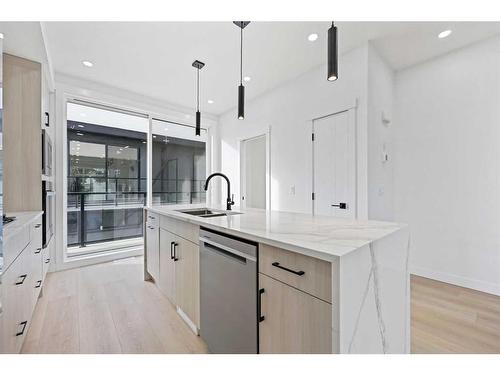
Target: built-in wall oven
column 46, row 154
column 48, row 207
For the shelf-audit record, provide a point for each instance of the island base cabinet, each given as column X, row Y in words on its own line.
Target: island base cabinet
column 167, row 265
column 187, row 275
column 180, row 274
column 153, row 250
column 293, row 321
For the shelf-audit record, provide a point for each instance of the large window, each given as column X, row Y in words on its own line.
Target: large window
column 106, row 176
column 179, row 164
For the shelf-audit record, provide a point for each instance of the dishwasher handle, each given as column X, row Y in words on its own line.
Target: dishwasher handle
column 227, row 250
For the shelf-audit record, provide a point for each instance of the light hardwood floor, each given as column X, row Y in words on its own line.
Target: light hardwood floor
column 108, row 308
column 447, row 318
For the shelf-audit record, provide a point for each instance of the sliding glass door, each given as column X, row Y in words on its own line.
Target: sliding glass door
column 106, row 179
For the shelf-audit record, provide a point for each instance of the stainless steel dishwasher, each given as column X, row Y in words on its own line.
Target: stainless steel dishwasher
column 228, row 293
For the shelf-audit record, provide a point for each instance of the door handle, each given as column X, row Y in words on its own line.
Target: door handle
column 341, row 205
column 47, row 260
column 38, row 250
column 38, row 284
column 261, row 317
column 175, row 255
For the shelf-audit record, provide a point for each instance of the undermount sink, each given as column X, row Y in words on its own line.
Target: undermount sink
column 206, row 212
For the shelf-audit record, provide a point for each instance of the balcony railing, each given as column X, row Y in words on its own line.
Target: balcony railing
column 100, row 216
column 105, row 216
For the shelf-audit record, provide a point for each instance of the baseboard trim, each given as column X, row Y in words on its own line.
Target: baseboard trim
column 187, row 320
column 482, row 286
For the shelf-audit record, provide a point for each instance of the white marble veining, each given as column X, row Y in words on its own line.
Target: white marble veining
column 374, row 297
column 319, row 236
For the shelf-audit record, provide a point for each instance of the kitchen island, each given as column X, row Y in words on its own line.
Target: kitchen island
column 356, row 271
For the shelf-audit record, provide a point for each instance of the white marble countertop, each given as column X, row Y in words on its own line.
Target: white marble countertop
column 322, row 237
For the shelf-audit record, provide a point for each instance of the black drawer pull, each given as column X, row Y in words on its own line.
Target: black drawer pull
column 38, row 250
column 261, row 317
column 24, row 324
column 38, row 284
column 38, row 225
column 298, row 273
column 172, row 256
column 22, row 277
column 175, row 255
column 47, row 260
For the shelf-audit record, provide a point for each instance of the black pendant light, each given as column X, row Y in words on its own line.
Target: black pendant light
column 332, row 64
column 198, row 65
column 241, row 88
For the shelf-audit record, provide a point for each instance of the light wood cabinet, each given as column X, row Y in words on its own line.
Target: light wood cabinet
column 294, row 321
column 167, row 265
column 187, row 279
column 153, row 250
column 311, row 275
column 179, row 272
column 22, row 95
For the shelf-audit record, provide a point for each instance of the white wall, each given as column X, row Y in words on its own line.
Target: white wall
column 289, row 110
column 380, row 137
column 447, row 165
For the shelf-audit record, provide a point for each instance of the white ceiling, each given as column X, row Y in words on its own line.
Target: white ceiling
column 154, row 58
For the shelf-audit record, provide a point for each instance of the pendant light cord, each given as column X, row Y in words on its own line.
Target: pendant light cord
column 241, row 56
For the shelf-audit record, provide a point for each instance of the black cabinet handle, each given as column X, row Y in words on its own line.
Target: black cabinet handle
column 38, row 225
column 22, row 277
column 38, row 284
column 259, row 307
column 24, row 324
column 342, row 206
column 38, row 250
column 172, row 256
column 47, row 119
column 47, row 260
column 298, row 273
column 175, row 255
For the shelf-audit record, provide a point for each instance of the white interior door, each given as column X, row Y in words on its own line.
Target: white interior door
column 253, row 172
column 334, row 160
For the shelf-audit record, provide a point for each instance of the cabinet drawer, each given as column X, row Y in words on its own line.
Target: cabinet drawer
column 311, row 275
column 182, row 229
column 14, row 244
column 292, row 321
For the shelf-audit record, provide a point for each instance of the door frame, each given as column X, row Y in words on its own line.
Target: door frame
column 241, row 146
column 351, row 111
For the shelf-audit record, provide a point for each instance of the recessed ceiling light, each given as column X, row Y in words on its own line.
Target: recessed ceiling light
column 79, row 133
column 87, row 63
column 444, row 34
column 247, row 79
column 312, row 37
column 1, row 35
column 81, row 126
column 210, row 101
